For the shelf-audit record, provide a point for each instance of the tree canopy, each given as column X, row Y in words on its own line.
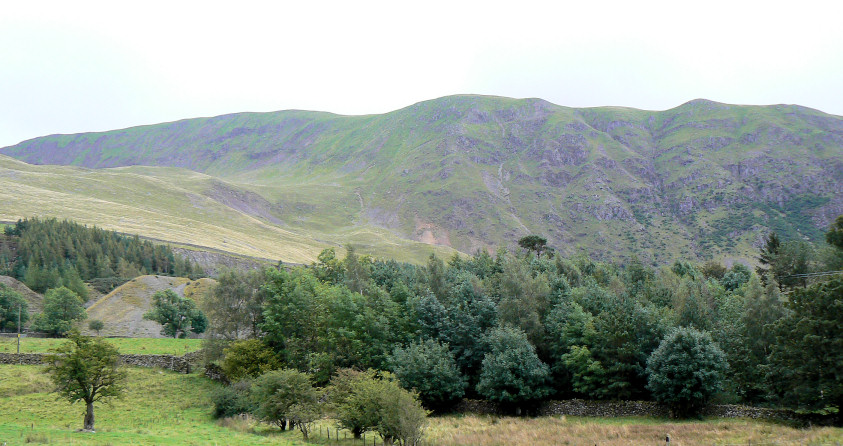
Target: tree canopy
column 88, row 370
column 177, row 315
column 806, row 362
column 62, row 310
column 686, row 370
column 52, row 253
column 12, row 307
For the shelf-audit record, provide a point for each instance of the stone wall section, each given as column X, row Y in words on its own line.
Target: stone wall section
column 181, row 364
column 22, row 358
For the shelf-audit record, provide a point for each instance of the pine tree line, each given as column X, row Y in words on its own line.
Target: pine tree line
column 50, row 253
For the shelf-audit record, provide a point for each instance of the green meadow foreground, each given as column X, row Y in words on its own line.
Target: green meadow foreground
column 127, row 346
column 162, row 407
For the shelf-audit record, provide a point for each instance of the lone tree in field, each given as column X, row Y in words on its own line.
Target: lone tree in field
column 86, row 369
column 176, row 314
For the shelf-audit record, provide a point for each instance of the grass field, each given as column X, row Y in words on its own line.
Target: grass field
column 562, row 430
column 162, row 407
column 159, row 408
column 128, row 346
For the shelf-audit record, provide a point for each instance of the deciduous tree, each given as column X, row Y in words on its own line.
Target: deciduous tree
column 686, row 370
column 177, row 315
column 62, row 309
column 12, row 304
column 88, row 370
column 429, row 368
column 286, row 394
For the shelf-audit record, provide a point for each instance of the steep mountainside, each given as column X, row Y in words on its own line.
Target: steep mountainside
column 703, row 179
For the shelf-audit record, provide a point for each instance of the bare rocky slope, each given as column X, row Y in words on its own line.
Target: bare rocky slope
column 122, row 310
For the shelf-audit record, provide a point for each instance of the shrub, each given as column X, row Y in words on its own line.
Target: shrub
column 372, row 401
column 232, row 400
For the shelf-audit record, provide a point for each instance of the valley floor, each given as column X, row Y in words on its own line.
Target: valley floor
column 162, row 407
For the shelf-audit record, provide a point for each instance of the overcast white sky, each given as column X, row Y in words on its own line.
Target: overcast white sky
column 68, row 67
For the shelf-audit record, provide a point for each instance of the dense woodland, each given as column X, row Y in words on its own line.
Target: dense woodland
column 521, row 327
column 50, row 253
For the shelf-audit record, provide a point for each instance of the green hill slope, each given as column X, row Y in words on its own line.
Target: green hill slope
column 476, row 172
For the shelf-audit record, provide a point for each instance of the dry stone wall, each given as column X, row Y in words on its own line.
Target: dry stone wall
column 181, row 364
column 22, row 358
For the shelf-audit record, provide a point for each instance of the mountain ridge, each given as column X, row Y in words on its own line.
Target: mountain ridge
column 475, row 172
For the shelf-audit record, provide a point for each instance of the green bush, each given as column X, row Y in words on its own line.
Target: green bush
column 286, row 394
column 248, row 358
column 685, row 371
column 232, row 400
column 373, row 401
column 429, row 368
column 512, row 372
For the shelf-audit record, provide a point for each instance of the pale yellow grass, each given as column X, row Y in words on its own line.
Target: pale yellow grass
column 172, row 205
column 488, row 431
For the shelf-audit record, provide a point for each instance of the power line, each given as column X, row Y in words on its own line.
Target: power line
column 817, row 274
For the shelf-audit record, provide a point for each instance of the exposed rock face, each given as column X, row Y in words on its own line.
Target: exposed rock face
column 213, row 262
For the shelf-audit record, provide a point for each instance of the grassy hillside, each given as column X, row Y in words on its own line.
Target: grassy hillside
column 475, row 172
column 182, row 207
